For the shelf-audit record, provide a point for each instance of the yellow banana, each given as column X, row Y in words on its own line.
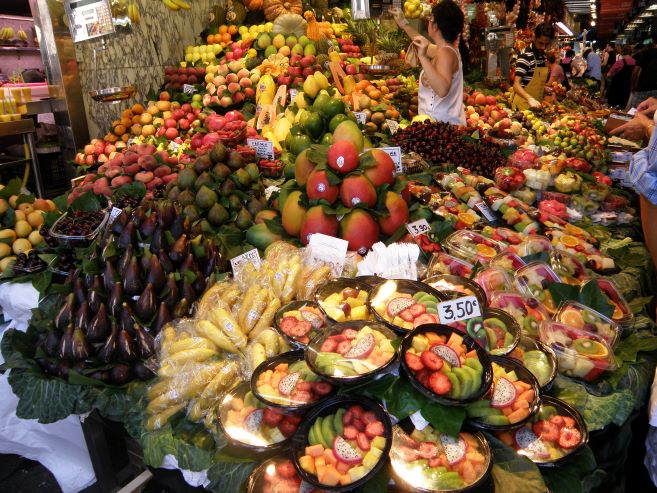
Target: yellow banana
column 182, row 4
column 225, row 321
column 267, row 316
column 171, row 5
column 210, row 331
column 158, row 420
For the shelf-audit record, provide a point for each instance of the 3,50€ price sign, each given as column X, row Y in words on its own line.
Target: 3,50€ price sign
column 458, row 309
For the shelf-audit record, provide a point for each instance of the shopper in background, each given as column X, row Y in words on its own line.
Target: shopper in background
column 594, row 66
column 532, row 71
column 644, row 76
column 567, row 61
column 620, row 79
column 440, row 93
column 557, row 73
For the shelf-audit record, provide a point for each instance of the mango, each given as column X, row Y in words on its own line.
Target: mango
column 316, row 221
column 260, row 236
column 360, row 229
column 379, row 167
column 293, row 214
column 397, row 213
column 303, row 167
column 356, row 189
column 319, row 187
column 348, row 130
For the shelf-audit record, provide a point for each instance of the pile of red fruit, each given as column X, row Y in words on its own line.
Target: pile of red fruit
column 176, row 77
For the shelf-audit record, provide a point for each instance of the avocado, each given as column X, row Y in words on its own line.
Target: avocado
column 337, row 421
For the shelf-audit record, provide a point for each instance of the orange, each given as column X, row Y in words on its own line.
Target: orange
column 137, row 109
column 232, row 29
column 618, row 313
column 119, row 130
column 126, row 114
column 485, row 250
column 223, row 29
column 210, row 39
column 125, row 137
column 466, row 218
column 126, row 121
column 576, row 230
column 136, row 119
column 226, row 38
column 135, row 129
column 145, row 118
column 572, row 317
column 148, row 130
column 374, row 93
column 569, row 241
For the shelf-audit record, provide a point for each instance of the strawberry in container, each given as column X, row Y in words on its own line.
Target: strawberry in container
column 492, row 280
column 568, row 266
column 533, row 280
column 527, row 311
column 577, row 165
column 523, row 159
column 581, row 248
column 271, row 168
column 509, row 178
column 508, row 261
column 473, row 247
column 300, row 321
column 428, row 460
column 443, row 263
column 247, row 153
column 278, row 475
column 503, row 234
column 553, row 208
column 403, row 304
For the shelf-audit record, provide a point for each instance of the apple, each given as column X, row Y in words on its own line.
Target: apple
column 171, row 133
column 491, row 100
column 238, row 97
column 480, row 99
column 170, row 123
column 218, row 80
column 249, row 93
column 351, row 69
column 232, row 78
column 298, row 81
column 184, row 124
column 233, row 87
column 308, row 71
column 186, row 108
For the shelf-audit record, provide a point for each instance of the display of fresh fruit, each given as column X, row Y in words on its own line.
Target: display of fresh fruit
column 473, row 247
column 533, row 281
column 405, row 305
column 580, row 248
column 344, row 446
column 533, row 244
column 442, row 263
column 446, row 366
column 351, row 350
column 495, row 331
column 98, row 150
column 576, row 135
column 203, row 53
column 580, row 353
column 512, row 399
column 342, row 302
column 247, row 421
column 537, row 358
column 581, row 317
column 494, row 279
column 176, row 77
column 453, row 287
column 622, row 313
column 279, row 474
column 290, row 385
column 527, row 311
column 568, row 266
column 509, row 262
column 432, row 461
column 301, row 321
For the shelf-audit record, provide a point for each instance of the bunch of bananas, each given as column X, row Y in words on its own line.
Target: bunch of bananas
column 22, row 35
column 176, row 4
column 6, row 33
column 133, row 12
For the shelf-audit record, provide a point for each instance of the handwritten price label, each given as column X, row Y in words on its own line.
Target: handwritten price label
column 237, row 263
column 263, row 148
column 330, row 250
column 419, row 227
column 189, row 89
column 270, row 190
column 393, row 126
column 458, row 309
column 396, row 155
column 360, row 117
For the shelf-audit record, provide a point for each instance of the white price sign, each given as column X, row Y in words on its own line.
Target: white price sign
column 263, row 148
column 330, row 250
column 241, row 260
column 293, row 94
column 458, row 309
column 418, row 420
column 189, row 89
column 485, row 211
column 270, row 190
column 360, row 117
column 419, row 227
column 114, row 213
column 393, row 126
column 396, row 155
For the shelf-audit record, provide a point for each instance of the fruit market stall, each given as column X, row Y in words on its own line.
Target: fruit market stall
column 276, row 272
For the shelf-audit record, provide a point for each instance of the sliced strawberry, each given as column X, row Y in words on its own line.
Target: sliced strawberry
column 425, row 318
column 413, row 361
column 286, row 469
column 417, row 309
column 546, row 430
column 288, row 324
column 358, row 411
column 408, row 454
column 328, row 346
column 347, row 418
column 431, row 360
column 322, row 388
column 374, row 429
column 406, row 315
column 338, row 338
column 369, row 417
column 272, row 418
column 428, row 450
column 557, row 420
column 569, row 438
column 300, row 396
column 287, row 428
column 350, row 334
column 293, row 418
column 358, row 424
column 301, row 328
column 435, row 462
column 363, row 442
column 423, row 377
column 350, row 432
column 568, row 422
column 343, row 347
column 439, row 383
column 303, row 385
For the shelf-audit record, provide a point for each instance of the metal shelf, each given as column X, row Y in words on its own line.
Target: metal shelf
column 23, row 49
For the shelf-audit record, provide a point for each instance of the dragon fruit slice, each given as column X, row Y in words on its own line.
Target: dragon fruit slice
column 345, row 452
column 362, row 348
column 288, row 383
column 531, row 444
column 448, row 354
column 504, row 393
column 454, row 448
column 397, row 305
column 253, row 420
column 315, row 320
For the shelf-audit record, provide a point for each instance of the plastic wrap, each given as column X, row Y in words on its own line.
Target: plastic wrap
column 538, row 359
column 403, row 305
column 508, row 261
column 494, row 279
column 443, row 263
column 533, row 244
column 586, row 319
column 568, row 266
column 531, row 280
column 300, row 321
column 495, row 331
column 528, row 312
column 452, row 287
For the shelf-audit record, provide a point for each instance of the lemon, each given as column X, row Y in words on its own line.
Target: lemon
column 4, row 250
column 21, row 245
column 35, row 238
column 4, row 263
column 22, row 228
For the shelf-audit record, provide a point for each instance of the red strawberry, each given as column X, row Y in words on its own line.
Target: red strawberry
column 369, row 417
column 428, row 450
column 413, row 361
column 328, row 346
column 293, row 418
column 322, row 388
column 363, row 442
column 350, row 333
column 287, row 428
column 568, row 422
column 439, row 383
column 358, row 411
column 431, row 360
column 417, row 309
column 272, row 418
column 286, row 469
column 304, row 386
column 343, row 347
column 423, row 377
column 347, row 418
column 406, row 315
column 358, row 424
column 374, row 429
column 570, row 438
column 546, row 430
column 350, row 432
column 288, row 324
column 557, row 420
column 301, row 397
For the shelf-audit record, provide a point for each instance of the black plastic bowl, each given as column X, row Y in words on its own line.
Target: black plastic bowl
column 270, row 364
column 444, row 330
column 296, row 305
column 511, row 324
column 300, row 438
column 565, row 409
column 402, row 286
column 313, row 348
column 523, row 374
column 239, row 391
column 529, row 344
column 449, row 294
column 256, row 482
column 371, row 280
column 337, row 285
column 405, row 479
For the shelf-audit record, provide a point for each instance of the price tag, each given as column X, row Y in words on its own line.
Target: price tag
column 418, row 420
column 485, row 211
column 360, row 117
column 114, row 213
column 263, row 148
column 396, row 155
column 189, row 89
column 417, row 228
column 270, row 190
column 458, row 309
column 293, row 94
column 393, row 126
column 330, row 250
column 237, row 263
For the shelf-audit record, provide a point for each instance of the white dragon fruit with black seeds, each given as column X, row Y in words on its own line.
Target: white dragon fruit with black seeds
column 531, row 444
column 288, row 383
column 253, row 420
column 448, row 354
column 345, row 452
column 455, row 449
column 398, row 305
column 362, row 348
column 504, row 393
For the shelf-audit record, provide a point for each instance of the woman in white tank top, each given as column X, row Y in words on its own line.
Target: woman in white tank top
column 440, row 93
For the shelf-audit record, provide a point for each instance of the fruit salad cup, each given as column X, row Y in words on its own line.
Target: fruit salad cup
column 473, row 247
column 445, row 365
column 429, row 461
column 451, row 287
column 581, row 248
column 278, row 475
column 494, row 279
column 533, row 244
column 351, row 352
column 527, row 311
column 622, row 314
column 580, row 354
column 344, row 299
column 286, row 382
column 248, row 423
column 495, row 331
column 443, row 263
column 343, row 443
column 299, row 322
column 538, row 359
column 403, row 305
column 511, row 401
column 568, row 266
column 533, row 279
column 508, row 261
column 557, row 431
column 583, row 318
column 505, row 235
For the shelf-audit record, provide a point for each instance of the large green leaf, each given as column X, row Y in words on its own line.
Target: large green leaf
column 568, row 477
column 229, row 476
column 157, row 444
column 513, row 473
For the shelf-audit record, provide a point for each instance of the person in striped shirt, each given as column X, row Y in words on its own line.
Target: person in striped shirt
column 532, row 70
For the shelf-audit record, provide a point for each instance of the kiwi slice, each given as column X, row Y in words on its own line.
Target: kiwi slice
column 588, row 347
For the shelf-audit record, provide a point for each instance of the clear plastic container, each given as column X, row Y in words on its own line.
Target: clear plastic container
column 508, row 261
column 538, row 359
column 443, row 263
column 622, row 315
column 527, row 311
column 586, row 319
column 452, row 287
column 532, row 281
column 506, row 235
column 587, row 359
column 494, row 279
column 71, row 241
column 473, row 247
column 567, row 265
column 532, row 245
column 278, row 472
column 351, row 352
